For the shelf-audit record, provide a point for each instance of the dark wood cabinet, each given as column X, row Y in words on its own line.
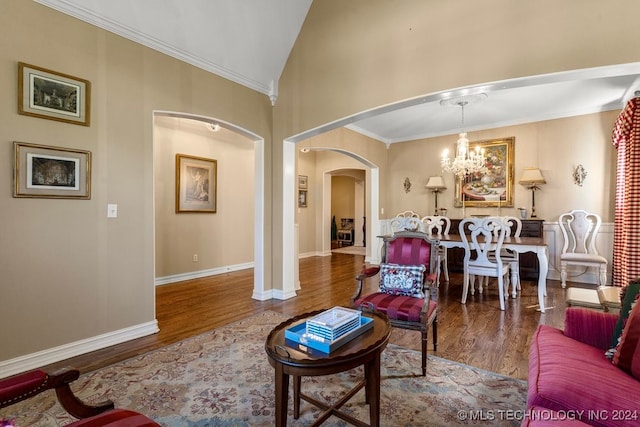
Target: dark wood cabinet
column 529, row 267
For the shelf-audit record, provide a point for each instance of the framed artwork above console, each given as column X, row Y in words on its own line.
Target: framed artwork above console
column 494, row 186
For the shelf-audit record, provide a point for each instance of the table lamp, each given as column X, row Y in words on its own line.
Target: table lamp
column 532, row 178
column 436, row 184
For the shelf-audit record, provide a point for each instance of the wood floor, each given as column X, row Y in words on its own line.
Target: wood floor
column 477, row 333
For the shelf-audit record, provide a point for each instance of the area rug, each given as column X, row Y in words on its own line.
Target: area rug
column 223, row 378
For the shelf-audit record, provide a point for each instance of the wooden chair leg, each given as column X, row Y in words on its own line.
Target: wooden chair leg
column 424, row 352
column 435, row 334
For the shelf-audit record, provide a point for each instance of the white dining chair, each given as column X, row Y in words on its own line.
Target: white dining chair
column 579, row 230
column 438, row 225
column 408, row 214
column 482, row 253
column 514, row 228
column 406, row 224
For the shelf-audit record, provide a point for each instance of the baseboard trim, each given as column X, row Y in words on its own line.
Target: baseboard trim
column 66, row 351
column 201, row 273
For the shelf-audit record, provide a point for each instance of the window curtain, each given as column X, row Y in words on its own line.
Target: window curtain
column 626, row 233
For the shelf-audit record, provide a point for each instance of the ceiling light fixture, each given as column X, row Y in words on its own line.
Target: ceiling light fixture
column 214, row 127
column 466, row 161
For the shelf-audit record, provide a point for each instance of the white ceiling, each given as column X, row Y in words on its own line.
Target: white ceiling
column 249, row 41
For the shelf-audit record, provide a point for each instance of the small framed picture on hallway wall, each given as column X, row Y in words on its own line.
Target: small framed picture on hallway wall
column 51, row 172
column 302, row 198
column 51, row 95
column 196, row 184
column 302, row 182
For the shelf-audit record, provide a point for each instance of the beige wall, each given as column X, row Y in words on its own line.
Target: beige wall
column 555, row 146
column 220, row 240
column 336, row 152
column 70, row 274
column 67, row 273
column 358, row 55
column 342, row 197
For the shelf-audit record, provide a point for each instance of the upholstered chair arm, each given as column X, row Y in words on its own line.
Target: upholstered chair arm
column 366, row 272
column 23, row 386
column 590, row 327
column 430, row 292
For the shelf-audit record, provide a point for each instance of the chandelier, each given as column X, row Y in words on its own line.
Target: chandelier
column 466, row 161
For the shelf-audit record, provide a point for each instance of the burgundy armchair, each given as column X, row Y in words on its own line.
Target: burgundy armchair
column 28, row 384
column 415, row 309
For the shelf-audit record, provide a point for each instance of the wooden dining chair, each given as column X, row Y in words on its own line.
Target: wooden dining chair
column 482, row 239
column 408, row 287
column 438, row 225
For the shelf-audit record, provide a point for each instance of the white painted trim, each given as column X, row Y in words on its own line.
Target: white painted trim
column 296, row 265
column 259, row 226
column 289, row 254
column 202, row 273
column 314, row 253
column 63, row 352
column 259, row 278
column 265, row 295
column 86, row 15
column 282, row 295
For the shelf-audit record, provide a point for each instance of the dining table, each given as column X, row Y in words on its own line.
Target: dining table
column 536, row 245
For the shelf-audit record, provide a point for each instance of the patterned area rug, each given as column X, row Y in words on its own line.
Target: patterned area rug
column 223, row 378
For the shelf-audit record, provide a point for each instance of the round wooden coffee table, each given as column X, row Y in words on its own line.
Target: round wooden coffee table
column 288, row 358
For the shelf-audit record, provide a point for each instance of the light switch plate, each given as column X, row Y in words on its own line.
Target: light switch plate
column 112, row 210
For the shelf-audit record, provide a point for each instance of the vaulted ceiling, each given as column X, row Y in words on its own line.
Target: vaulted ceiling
column 249, row 41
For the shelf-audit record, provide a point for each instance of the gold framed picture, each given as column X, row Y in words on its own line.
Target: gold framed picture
column 196, row 184
column 494, row 186
column 51, row 95
column 51, row 172
column 303, row 182
column 302, row 198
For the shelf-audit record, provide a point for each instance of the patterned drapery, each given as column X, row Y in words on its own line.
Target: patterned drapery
column 626, row 233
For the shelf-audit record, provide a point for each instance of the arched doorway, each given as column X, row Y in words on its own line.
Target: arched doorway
column 256, row 216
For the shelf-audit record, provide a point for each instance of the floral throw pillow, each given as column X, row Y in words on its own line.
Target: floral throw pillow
column 396, row 279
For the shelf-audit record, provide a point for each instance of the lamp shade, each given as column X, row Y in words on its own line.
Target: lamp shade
column 435, row 183
column 532, row 176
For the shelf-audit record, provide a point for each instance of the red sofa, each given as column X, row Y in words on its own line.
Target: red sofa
column 570, row 377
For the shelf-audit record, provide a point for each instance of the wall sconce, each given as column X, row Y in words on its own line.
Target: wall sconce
column 579, row 175
column 532, row 178
column 436, row 184
column 407, row 185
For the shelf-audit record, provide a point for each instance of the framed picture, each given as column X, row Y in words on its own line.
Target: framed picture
column 51, row 95
column 494, row 186
column 302, row 182
column 51, row 172
column 196, row 182
column 302, row 198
